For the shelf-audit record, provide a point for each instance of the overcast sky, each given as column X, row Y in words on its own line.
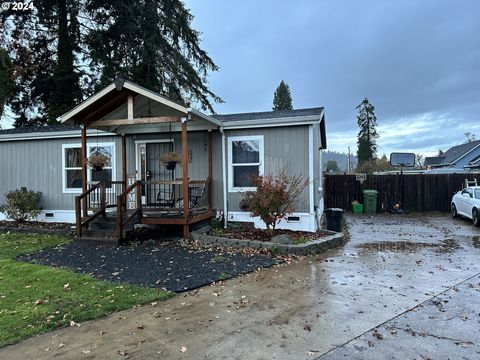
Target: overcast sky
column 418, row 62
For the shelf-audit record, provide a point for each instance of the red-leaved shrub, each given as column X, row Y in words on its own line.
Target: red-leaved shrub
column 275, row 196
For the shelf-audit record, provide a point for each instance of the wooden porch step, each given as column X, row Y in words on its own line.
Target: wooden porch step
column 96, row 241
column 103, row 225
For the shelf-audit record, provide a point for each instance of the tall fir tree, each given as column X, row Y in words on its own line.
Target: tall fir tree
column 66, row 49
column 44, row 44
column 6, row 80
column 153, row 44
column 367, row 135
column 282, row 98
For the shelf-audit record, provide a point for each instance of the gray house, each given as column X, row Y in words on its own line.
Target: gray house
column 460, row 157
column 134, row 127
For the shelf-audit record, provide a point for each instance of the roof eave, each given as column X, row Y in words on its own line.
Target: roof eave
column 69, row 115
column 51, row 135
column 272, row 122
column 205, row 117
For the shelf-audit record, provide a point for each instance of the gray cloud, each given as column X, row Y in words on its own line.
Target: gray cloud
column 412, row 59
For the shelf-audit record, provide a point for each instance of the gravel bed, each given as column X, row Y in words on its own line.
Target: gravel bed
column 167, row 265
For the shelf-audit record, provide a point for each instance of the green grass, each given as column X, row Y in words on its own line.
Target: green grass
column 35, row 299
column 12, row 245
column 301, row 240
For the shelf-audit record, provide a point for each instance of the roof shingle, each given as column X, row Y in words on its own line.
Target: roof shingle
column 37, row 129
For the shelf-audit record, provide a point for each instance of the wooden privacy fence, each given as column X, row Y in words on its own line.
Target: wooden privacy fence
column 422, row 192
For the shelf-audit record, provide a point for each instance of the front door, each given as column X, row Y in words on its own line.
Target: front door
column 150, row 169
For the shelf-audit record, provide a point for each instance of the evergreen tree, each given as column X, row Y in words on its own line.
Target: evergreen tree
column 66, row 91
column 367, row 135
column 153, row 44
column 65, row 49
column 332, row 166
column 6, row 79
column 44, row 45
column 282, row 99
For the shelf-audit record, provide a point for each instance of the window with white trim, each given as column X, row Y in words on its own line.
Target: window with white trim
column 72, row 165
column 245, row 158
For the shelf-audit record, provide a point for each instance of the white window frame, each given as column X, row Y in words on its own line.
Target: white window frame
column 89, row 175
column 231, row 139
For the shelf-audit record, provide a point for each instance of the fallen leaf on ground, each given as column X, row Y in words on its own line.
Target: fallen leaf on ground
column 183, row 349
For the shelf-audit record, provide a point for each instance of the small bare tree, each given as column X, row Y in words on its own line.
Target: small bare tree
column 470, row 137
column 275, row 196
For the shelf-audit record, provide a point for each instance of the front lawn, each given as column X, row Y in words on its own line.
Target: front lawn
column 35, row 299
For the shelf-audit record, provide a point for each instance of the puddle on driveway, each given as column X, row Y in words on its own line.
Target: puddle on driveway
column 447, row 245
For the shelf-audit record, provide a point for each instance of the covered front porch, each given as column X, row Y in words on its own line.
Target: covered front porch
column 146, row 191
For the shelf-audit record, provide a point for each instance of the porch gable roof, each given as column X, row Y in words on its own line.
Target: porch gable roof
column 114, row 96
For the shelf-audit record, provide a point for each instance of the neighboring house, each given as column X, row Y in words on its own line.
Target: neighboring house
column 461, row 157
column 135, row 126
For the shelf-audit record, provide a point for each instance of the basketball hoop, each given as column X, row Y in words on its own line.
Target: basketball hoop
column 361, row 177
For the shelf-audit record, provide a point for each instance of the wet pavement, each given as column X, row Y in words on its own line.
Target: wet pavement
column 405, row 286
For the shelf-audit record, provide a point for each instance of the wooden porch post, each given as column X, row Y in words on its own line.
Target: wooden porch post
column 84, row 168
column 124, row 162
column 209, row 170
column 186, row 228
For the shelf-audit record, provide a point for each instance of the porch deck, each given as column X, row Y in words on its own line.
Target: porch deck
column 109, row 210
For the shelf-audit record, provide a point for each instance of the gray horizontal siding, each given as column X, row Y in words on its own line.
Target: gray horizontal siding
column 37, row 165
column 197, row 142
column 284, row 147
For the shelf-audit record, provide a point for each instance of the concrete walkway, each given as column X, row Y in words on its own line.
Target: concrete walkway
column 327, row 306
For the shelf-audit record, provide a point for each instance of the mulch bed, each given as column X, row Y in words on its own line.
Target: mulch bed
column 167, row 265
column 248, row 233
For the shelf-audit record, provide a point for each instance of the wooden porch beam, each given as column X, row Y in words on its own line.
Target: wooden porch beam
column 135, row 121
column 186, row 202
column 124, row 162
column 106, row 108
column 210, row 172
column 130, row 107
column 84, row 167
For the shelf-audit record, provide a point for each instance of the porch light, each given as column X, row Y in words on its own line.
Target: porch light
column 119, row 81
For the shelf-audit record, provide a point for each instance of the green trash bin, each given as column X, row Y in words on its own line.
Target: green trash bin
column 370, row 201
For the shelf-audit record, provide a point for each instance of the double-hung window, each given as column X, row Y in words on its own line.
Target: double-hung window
column 72, row 165
column 245, row 158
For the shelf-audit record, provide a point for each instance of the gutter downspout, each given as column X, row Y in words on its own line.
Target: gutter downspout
column 224, row 175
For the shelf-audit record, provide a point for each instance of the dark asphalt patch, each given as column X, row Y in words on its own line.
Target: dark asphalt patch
column 152, row 264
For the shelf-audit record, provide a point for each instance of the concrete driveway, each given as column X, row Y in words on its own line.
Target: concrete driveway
column 405, row 286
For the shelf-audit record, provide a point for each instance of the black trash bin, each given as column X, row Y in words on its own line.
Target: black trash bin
column 334, row 219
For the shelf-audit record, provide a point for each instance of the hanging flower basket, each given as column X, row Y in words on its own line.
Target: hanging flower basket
column 170, row 160
column 171, row 165
column 98, row 161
